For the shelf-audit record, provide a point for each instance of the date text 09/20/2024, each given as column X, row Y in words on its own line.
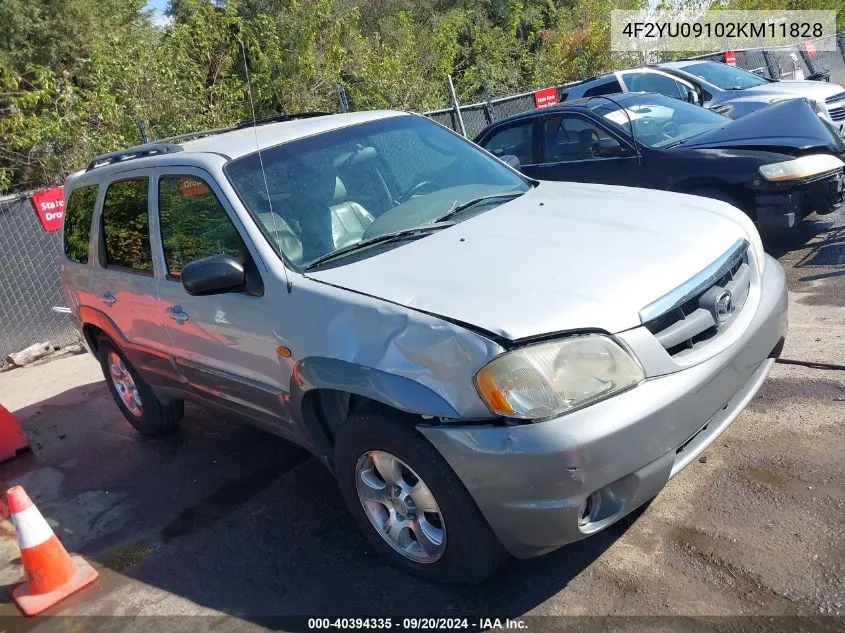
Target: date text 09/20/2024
column 416, row 623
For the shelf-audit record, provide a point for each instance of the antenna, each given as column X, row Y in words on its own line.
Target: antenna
column 630, row 123
column 261, row 159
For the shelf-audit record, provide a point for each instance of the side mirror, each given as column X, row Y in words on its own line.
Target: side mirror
column 511, row 160
column 213, row 275
column 692, row 96
column 608, row 148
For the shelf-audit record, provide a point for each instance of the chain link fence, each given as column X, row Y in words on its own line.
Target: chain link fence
column 29, row 280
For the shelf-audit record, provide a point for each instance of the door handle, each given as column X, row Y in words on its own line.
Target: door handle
column 177, row 313
column 108, row 298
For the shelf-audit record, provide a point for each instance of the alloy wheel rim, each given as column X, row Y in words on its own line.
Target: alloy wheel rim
column 400, row 506
column 125, row 385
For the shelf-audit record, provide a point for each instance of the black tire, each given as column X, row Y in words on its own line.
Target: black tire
column 156, row 417
column 472, row 551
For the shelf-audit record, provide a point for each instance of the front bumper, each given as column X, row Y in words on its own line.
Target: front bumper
column 531, row 481
column 780, row 207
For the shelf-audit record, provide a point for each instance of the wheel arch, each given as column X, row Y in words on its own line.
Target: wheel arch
column 737, row 191
column 326, row 391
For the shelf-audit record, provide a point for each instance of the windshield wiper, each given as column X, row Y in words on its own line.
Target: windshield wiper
column 379, row 239
column 457, row 208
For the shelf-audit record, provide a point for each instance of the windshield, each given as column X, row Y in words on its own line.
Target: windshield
column 724, row 76
column 333, row 190
column 659, row 121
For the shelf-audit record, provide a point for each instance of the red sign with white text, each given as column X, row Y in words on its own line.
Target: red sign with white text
column 545, row 97
column 730, row 58
column 811, row 48
column 50, row 207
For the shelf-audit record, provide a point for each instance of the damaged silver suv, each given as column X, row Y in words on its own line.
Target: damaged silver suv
column 488, row 364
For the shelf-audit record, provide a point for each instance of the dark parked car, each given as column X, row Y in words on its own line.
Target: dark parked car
column 778, row 164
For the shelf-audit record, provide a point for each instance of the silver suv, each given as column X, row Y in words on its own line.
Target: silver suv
column 488, row 364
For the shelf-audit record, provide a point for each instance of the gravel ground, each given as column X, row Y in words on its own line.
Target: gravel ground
column 223, row 519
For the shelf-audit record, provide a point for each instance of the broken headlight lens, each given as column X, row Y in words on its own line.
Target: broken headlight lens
column 799, row 168
column 548, row 379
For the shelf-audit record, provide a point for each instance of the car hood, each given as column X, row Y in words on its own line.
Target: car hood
column 818, row 90
column 564, row 256
column 788, row 124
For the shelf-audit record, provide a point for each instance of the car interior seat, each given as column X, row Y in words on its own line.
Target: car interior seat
column 349, row 219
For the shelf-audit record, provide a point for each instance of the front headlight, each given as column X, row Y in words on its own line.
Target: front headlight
column 799, row 168
column 547, row 379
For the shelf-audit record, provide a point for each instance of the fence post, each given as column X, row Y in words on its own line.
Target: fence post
column 142, row 131
column 771, row 64
column 488, row 104
column 457, row 107
column 840, row 40
column 342, row 99
column 811, row 66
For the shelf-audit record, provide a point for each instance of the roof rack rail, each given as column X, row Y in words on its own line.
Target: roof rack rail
column 139, row 151
column 171, row 144
column 278, row 118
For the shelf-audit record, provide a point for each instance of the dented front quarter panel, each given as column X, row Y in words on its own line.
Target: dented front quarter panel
column 359, row 344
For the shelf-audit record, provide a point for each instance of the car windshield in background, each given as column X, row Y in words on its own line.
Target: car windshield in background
column 334, row 190
column 724, row 76
column 659, row 121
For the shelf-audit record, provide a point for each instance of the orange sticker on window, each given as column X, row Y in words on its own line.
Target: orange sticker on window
column 189, row 187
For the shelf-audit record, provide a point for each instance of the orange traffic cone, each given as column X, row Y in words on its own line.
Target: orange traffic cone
column 51, row 574
column 12, row 438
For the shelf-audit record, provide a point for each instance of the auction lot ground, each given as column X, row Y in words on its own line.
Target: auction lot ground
column 223, row 519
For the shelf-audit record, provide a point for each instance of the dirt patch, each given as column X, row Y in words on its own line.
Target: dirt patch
column 123, row 558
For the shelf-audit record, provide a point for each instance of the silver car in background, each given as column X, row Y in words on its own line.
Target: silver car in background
column 488, row 364
column 735, row 92
column 726, row 89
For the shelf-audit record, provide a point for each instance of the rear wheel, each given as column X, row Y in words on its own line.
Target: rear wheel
column 134, row 397
column 408, row 502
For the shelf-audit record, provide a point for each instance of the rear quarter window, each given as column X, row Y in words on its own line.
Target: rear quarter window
column 608, row 88
column 77, row 223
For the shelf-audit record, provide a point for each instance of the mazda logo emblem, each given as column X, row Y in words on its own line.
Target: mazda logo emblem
column 724, row 306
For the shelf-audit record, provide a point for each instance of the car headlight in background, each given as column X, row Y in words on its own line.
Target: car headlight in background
column 547, row 379
column 799, row 168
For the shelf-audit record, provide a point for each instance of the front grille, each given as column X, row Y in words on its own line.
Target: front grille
column 705, row 306
column 836, row 106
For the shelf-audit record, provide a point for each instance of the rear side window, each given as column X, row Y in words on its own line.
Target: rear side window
column 608, row 88
column 194, row 224
column 78, row 215
column 517, row 140
column 126, row 226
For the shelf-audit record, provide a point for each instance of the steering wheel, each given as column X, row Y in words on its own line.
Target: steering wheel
column 426, row 186
column 669, row 130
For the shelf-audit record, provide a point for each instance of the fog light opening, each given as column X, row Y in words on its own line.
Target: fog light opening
column 589, row 509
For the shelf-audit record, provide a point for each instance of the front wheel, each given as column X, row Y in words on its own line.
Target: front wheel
column 136, row 400
column 715, row 193
column 408, row 502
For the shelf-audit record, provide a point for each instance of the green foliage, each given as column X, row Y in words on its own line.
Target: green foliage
column 76, row 75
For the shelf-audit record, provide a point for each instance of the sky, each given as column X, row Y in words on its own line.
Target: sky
column 158, row 7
